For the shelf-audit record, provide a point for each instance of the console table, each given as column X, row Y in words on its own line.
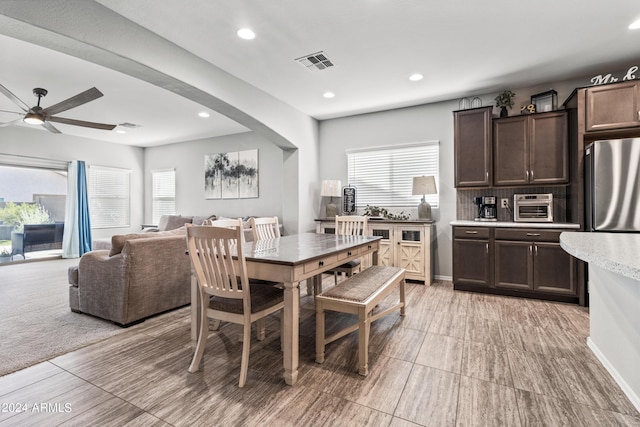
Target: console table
column 405, row 244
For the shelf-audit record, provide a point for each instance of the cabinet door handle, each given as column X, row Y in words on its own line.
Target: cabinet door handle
column 535, row 248
column 487, row 246
column 533, row 234
column 486, row 174
column 530, row 250
column 471, row 232
column 527, row 172
column 349, row 253
column 321, row 263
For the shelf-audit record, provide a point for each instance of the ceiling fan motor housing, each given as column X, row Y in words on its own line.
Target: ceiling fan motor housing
column 39, row 92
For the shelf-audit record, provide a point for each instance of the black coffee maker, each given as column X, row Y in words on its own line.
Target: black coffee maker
column 487, row 209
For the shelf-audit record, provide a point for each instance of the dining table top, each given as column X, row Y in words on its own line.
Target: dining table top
column 299, row 248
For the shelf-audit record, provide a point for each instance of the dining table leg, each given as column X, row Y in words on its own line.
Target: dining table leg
column 290, row 331
column 195, row 301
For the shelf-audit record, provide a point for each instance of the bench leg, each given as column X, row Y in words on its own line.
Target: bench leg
column 363, row 341
column 319, row 332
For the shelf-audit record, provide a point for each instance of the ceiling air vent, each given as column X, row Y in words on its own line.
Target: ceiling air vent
column 129, row 125
column 316, row 61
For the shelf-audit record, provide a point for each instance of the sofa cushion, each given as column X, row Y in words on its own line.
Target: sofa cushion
column 118, row 240
column 199, row 220
column 171, row 222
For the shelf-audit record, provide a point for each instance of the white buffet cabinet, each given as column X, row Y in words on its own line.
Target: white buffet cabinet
column 405, row 244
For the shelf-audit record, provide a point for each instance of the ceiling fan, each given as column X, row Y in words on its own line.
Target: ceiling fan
column 43, row 116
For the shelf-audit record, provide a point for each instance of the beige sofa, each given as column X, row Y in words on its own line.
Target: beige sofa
column 141, row 275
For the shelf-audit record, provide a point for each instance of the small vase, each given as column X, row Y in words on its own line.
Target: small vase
column 504, row 112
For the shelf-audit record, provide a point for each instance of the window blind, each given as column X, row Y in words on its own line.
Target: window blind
column 163, row 193
column 109, row 197
column 384, row 176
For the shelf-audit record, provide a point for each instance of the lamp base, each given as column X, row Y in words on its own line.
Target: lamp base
column 332, row 210
column 424, row 210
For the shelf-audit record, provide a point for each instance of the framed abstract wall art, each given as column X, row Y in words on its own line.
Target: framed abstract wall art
column 231, row 175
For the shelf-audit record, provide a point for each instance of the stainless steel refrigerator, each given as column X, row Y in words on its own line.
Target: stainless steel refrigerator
column 612, row 179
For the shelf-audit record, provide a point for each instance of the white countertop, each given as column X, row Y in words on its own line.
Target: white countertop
column 616, row 252
column 511, row 224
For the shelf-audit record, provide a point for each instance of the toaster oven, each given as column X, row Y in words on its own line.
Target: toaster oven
column 533, row 207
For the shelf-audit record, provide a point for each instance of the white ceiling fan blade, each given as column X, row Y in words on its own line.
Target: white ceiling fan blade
column 24, row 107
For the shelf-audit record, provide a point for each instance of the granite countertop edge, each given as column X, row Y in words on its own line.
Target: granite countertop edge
column 512, row 224
column 615, row 252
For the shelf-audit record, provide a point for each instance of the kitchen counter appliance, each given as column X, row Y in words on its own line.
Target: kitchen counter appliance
column 612, row 185
column 487, row 209
column 533, row 207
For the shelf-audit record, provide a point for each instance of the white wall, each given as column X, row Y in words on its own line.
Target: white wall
column 18, row 140
column 188, row 160
column 413, row 124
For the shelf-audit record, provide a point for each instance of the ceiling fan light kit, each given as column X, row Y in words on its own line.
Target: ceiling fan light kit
column 43, row 116
column 33, row 119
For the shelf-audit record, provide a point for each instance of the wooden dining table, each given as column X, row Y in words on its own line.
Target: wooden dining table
column 290, row 260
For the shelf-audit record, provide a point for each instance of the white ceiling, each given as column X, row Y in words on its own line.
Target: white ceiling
column 462, row 47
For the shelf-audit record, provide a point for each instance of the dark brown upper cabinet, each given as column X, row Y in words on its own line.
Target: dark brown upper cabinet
column 615, row 106
column 472, row 147
column 531, row 149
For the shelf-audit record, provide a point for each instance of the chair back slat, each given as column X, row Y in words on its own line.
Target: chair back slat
column 218, row 261
column 351, row 225
column 265, row 228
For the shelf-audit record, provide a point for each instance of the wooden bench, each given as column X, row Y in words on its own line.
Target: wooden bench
column 359, row 294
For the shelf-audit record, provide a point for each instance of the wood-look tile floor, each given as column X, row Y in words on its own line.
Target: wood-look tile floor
column 456, row 359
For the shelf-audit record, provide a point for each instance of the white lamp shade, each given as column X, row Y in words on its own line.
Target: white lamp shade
column 331, row 188
column 424, row 185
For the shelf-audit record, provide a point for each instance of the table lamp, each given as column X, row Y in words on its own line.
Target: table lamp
column 331, row 188
column 424, row 185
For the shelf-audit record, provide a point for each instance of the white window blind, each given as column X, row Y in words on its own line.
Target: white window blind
column 384, row 176
column 109, row 197
column 163, row 193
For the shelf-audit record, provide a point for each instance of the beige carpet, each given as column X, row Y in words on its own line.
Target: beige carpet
column 36, row 323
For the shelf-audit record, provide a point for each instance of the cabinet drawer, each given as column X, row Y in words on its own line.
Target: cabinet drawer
column 472, row 232
column 369, row 247
column 320, row 263
column 528, row 234
column 347, row 254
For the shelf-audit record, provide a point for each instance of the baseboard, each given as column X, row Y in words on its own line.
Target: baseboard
column 634, row 398
column 443, row 278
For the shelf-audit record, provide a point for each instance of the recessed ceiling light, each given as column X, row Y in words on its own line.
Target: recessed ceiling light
column 246, row 34
column 120, row 131
column 203, row 114
column 635, row 25
column 415, row 77
column 329, row 94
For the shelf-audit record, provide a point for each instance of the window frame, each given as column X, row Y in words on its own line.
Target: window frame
column 97, row 212
column 393, row 189
column 163, row 199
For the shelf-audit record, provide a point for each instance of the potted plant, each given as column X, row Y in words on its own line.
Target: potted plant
column 5, row 254
column 504, row 100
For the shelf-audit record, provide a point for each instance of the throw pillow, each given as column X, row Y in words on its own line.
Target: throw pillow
column 171, row 222
column 118, row 240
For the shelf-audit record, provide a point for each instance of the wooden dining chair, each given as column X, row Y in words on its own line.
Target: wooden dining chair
column 225, row 292
column 265, row 228
column 350, row 225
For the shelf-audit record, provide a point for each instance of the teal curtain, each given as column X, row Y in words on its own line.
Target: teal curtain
column 84, row 221
column 77, row 227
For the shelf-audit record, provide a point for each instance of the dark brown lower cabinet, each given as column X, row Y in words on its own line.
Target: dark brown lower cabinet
column 513, row 261
column 472, row 262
